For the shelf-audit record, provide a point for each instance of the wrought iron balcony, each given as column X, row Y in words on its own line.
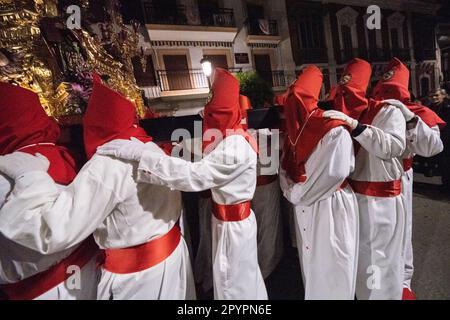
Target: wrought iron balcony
column 349, row 54
column 314, row 55
column 170, row 14
column 401, row 53
column 170, row 80
column 274, row 78
column 262, row 27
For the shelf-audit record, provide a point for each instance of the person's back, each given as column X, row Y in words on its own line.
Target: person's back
column 228, row 169
column 135, row 224
column 25, row 273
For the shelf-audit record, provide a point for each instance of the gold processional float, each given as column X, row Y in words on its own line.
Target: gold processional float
column 39, row 52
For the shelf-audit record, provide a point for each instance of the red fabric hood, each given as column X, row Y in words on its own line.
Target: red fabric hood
column 349, row 96
column 26, row 127
column 109, row 116
column 305, row 123
column 394, row 85
column 223, row 110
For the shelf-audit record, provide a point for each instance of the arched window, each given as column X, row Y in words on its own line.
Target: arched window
column 395, row 25
column 348, row 37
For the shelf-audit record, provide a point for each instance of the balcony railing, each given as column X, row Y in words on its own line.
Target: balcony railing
column 349, row 54
column 182, row 15
column 274, row 78
column 401, row 53
column 262, row 27
column 313, row 55
column 378, row 54
column 170, row 80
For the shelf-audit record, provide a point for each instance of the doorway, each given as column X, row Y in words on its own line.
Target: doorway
column 263, row 67
column 177, row 72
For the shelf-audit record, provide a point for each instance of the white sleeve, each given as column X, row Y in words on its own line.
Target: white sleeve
column 386, row 138
column 226, row 162
column 423, row 140
column 5, row 188
column 326, row 169
column 39, row 216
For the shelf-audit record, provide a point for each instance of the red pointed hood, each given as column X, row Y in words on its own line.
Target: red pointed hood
column 349, row 96
column 305, row 123
column 394, row 85
column 223, row 111
column 25, row 127
column 109, row 116
column 23, row 120
column 302, row 98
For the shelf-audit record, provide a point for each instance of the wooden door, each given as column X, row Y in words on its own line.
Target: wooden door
column 177, row 72
column 218, row 60
column 264, row 67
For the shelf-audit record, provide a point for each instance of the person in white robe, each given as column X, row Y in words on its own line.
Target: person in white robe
column 26, row 274
column 136, row 225
column 228, row 169
column 266, row 202
column 422, row 138
column 318, row 158
column 379, row 135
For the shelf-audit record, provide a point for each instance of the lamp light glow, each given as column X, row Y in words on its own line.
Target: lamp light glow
column 206, row 66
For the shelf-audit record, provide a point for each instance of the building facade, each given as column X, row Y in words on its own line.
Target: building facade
column 277, row 39
column 233, row 34
column 330, row 33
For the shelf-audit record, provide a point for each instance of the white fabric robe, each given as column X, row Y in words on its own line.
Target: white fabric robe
column 18, row 263
column 425, row 142
column 104, row 199
column 266, row 205
column 382, row 219
column 326, row 219
column 230, row 172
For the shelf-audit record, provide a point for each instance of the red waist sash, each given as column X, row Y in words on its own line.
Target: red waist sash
column 343, row 185
column 231, row 212
column 377, row 189
column 265, row 180
column 35, row 286
column 143, row 256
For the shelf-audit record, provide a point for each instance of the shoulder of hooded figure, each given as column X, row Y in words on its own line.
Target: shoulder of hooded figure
column 336, row 134
column 238, row 145
column 389, row 117
column 389, row 110
column 105, row 168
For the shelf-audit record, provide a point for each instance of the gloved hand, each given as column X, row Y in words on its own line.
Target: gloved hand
column 408, row 114
column 337, row 115
column 124, row 149
column 127, row 149
column 18, row 163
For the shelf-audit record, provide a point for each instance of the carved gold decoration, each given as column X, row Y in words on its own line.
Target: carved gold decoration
column 27, row 59
column 121, row 81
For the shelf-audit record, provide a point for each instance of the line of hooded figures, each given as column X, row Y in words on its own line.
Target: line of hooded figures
column 114, row 228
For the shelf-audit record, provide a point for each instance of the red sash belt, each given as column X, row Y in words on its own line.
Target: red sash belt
column 35, row 286
column 407, row 164
column 231, row 212
column 377, row 189
column 344, row 184
column 265, row 180
column 143, row 256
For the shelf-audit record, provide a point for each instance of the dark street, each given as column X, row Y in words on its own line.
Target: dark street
column 431, row 244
